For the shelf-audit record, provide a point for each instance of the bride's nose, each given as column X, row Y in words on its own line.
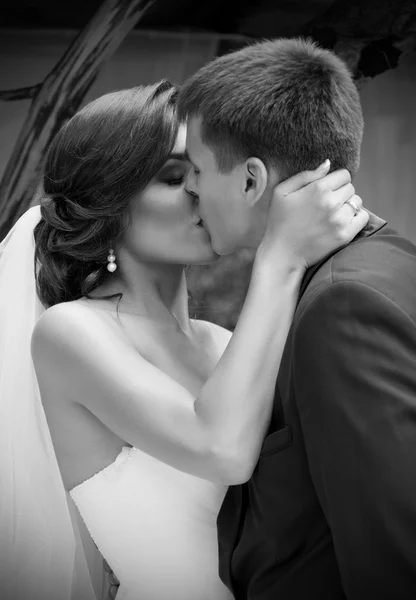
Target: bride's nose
column 194, row 198
column 188, row 185
column 190, row 191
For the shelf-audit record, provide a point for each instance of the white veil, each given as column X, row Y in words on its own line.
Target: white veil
column 41, row 555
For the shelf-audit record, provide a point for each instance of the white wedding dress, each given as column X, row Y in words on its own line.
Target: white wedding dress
column 156, row 527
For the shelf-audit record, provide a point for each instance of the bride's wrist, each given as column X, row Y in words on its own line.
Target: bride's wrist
column 277, row 258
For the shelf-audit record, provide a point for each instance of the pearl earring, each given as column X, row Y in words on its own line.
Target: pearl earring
column 111, row 258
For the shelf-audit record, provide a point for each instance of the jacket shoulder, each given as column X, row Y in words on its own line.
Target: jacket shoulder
column 384, row 261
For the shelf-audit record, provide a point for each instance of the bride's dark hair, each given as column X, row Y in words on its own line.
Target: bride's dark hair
column 102, row 156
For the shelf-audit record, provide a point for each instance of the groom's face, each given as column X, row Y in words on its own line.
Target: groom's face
column 220, row 195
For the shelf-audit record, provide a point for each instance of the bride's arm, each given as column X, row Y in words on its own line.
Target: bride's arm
column 218, row 434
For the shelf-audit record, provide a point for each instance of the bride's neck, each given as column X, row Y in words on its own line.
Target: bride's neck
column 156, row 291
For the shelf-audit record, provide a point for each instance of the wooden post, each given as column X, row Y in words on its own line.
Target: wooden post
column 58, row 97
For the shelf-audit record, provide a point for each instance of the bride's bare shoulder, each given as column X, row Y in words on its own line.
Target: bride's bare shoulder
column 67, row 322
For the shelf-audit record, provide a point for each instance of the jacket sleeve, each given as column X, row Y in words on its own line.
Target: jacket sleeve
column 355, row 385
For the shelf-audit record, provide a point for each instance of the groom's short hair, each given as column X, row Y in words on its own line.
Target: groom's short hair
column 286, row 101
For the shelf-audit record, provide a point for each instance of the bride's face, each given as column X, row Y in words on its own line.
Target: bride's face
column 164, row 217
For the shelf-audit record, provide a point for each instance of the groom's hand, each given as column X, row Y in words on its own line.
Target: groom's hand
column 114, row 582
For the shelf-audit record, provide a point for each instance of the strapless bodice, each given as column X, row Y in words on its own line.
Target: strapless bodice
column 156, row 527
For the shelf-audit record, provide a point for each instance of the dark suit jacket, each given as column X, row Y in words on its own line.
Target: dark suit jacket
column 330, row 510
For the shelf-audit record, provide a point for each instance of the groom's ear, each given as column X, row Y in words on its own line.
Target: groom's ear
column 255, row 180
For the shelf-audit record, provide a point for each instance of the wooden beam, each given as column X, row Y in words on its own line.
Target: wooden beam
column 25, row 93
column 58, row 97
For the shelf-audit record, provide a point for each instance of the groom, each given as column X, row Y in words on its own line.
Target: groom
column 330, row 510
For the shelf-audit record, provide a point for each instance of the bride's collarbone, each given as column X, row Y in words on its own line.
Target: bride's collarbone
column 187, row 358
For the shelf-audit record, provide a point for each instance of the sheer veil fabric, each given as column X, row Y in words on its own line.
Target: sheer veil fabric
column 41, row 555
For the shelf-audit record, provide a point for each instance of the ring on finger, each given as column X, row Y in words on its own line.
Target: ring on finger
column 353, row 206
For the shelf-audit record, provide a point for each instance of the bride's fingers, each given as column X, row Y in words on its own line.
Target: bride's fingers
column 335, row 180
column 344, row 193
column 346, row 221
column 356, row 222
column 300, row 180
column 338, row 202
column 352, row 206
column 355, row 203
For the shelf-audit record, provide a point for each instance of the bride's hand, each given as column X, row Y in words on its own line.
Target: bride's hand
column 309, row 216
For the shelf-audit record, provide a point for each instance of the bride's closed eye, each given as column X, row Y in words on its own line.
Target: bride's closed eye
column 176, row 181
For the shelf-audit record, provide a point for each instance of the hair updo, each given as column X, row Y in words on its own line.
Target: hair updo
column 102, row 156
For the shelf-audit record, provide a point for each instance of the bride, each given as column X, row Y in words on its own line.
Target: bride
column 149, row 414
